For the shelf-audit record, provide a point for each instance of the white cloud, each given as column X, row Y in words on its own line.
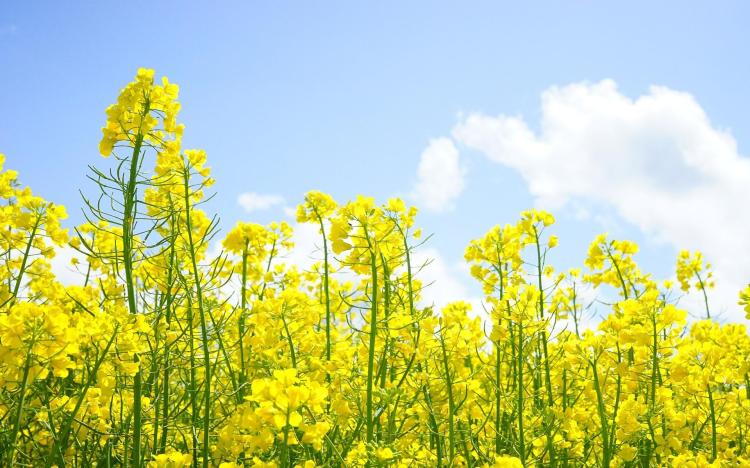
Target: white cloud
column 252, row 201
column 656, row 160
column 307, row 246
column 440, row 176
column 305, row 252
column 443, row 282
column 63, row 269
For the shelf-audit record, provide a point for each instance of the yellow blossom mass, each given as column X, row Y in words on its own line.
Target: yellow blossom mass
column 169, row 353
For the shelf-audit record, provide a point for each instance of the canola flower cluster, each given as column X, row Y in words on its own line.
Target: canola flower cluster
column 166, row 356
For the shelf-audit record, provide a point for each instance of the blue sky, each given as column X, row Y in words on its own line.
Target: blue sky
column 346, row 97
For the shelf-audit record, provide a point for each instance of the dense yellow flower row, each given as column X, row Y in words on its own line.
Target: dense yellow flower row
column 167, row 356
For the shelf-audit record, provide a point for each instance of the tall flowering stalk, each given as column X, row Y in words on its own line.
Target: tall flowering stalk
column 143, row 120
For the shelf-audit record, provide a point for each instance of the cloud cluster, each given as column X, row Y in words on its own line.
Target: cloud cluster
column 443, row 282
column 440, row 176
column 252, row 201
column 657, row 161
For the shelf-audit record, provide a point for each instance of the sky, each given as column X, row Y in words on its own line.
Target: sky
column 620, row 117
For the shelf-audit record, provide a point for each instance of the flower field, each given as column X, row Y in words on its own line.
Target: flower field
column 168, row 355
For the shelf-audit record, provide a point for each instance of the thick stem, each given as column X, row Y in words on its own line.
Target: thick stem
column 128, row 226
column 713, row 422
column 604, row 431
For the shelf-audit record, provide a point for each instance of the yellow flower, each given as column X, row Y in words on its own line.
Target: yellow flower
column 745, row 301
column 507, row 461
column 383, row 454
column 627, row 453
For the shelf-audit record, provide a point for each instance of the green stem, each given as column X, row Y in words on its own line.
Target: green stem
column 165, row 397
column 602, row 417
column 326, row 291
column 519, row 397
column 705, row 295
column 498, row 366
column 371, row 350
column 547, row 373
column 451, row 402
column 25, row 259
column 194, row 410
column 243, row 310
column 61, row 442
column 204, row 328
column 289, row 341
column 284, row 454
column 19, row 410
column 128, row 226
column 713, row 422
